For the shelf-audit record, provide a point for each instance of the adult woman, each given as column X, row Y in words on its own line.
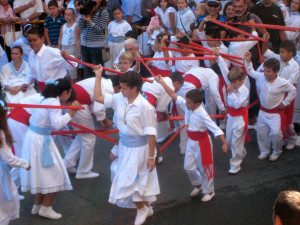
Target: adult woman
column 13, row 75
column 293, row 21
column 136, row 177
column 23, row 42
column 228, row 11
column 93, row 28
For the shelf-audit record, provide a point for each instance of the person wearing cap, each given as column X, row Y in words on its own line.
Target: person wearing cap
column 23, row 42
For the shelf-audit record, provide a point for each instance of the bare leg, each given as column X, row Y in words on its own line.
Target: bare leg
column 39, row 199
column 139, row 205
column 48, row 198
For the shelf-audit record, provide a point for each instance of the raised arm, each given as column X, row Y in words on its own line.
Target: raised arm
column 98, row 96
column 170, row 92
column 249, row 67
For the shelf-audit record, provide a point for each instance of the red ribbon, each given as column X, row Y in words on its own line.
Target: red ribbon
column 179, row 58
column 269, row 26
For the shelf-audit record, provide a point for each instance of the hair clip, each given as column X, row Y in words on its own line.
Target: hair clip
column 51, row 81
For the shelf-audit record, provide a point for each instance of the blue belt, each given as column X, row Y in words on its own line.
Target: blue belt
column 133, row 141
column 117, row 39
column 6, row 181
column 47, row 159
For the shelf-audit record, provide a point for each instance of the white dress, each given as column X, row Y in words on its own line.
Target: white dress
column 12, row 78
column 9, row 209
column 41, row 179
column 133, row 181
column 165, row 17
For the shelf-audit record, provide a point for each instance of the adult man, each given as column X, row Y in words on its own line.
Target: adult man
column 270, row 13
column 28, row 9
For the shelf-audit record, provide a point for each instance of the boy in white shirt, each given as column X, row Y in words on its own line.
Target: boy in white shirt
column 272, row 91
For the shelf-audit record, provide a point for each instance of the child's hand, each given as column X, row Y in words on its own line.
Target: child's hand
column 151, row 164
column 87, row 18
column 159, row 79
column 98, row 70
column 251, row 21
column 106, row 123
column 281, row 106
column 230, row 89
column 216, row 51
column 76, row 104
column 208, row 18
column 28, row 167
column 266, row 36
column 64, row 53
column 180, row 35
column 247, row 57
column 112, row 156
column 225, row 147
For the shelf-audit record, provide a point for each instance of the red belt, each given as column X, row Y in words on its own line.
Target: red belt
column 41, row 85
column 20, row 115
column 282, row 118
column 193, row 80
column 151, row 98
column 243, row 111
column 164, row 73
column 206, row 151
column 81, row 95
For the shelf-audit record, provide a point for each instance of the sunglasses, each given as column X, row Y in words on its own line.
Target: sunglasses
column 213, row 4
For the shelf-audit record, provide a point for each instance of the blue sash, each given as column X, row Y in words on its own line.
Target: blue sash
column 132, row 141
column 6, row 181
column 117, row 39
column 47, row 159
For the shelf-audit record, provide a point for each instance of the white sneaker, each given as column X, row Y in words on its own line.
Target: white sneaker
column 274, row 157
column 182, row 152
column 21, row 197
column 232, row 171
column 251, row 127
column 72, row 170
column 35, row 209
column 263, row 156
column 290, row 146
column 141, row 215
column 160, row 159
column 207, row 197
column 160, row 140
column 87, row 176
column 150, row 211
column 49, row 213
column 195, row 192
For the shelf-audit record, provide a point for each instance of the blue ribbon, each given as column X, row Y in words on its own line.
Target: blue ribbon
column 132, row 141
column 2, row 103
column 6, row 181
column 47, row 159
column 51, row 81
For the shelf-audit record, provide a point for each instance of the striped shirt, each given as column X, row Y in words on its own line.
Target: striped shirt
column 94, row 32
column 54, row 25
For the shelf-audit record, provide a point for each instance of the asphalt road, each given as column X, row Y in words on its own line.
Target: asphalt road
column 243, row 199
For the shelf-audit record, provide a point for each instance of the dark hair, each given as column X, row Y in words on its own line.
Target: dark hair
column 18, row 47
column 160, row 36
column 245, row 1
column 80, row 2
column 72, row 96
column 52, row 3
column 177, row 76
column 289, row 46
column 117, row 8
column 289, row 5
column 195, row 95
column 53, row 91
column 212, row 30
column 184, row 40
column 36, row 30
column 103, row 4
column 231, row 33
column 73, row 11
column 132, row 79
column 287, row 207
column 235, row 74
column 115, row 80
column 168, row 1
column 131, row 34
column 272, row 64
column 4, row 126
column 225, row 7
column 215, row 67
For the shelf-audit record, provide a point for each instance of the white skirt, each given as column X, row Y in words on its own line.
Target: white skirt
column 40, row 179
column 133, row 181
column 16, row 98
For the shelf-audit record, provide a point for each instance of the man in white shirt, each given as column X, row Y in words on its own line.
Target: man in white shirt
column 28, row 10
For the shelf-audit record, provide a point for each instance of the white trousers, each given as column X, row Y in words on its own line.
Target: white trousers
column 83, row 145
column 163, row 129
column 235, row 137
column 194, row 168
column 269, row 131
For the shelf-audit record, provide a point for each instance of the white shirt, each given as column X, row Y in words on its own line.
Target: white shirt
column 38, row 8
column 161, row 64
column 49, row 118
column 140, row 117
column 293, row 21
column 47, row 64
column 239, row 48
column 34, row 99
column 165, row 16
column 272, row 94
column 239, row 98
column 185, row 17
column 209, row 80
column 118, row 29
column 288, row 71
column 157, row 90
column 198, row 119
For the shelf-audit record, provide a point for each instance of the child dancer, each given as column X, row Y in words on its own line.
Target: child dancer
column 116, row 35
column 271, row 91
column 48, row 175
column 199, row 167
column 9, row 199
column 167, row 15
column 185, row 17
column 136, row 124
column 69, row 39
column 126, row 62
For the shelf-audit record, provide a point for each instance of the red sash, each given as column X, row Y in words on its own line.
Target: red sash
column 20, row 115
column 81, row 95
column 193, row 80
column 41, row 85
column 163, row 73
column 206, row 151
column 243, row 111
column 282, row 118
column 180, row 72
column 243, row 67
column 151, row 98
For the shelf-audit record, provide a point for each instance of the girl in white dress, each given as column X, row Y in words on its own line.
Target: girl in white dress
column 293, row 21
column 136, row 178
column 167, row 16
column 48, row 174
column 13, row 75
column 9, row 199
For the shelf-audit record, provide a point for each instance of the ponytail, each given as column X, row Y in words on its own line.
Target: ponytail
column 54, row 89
